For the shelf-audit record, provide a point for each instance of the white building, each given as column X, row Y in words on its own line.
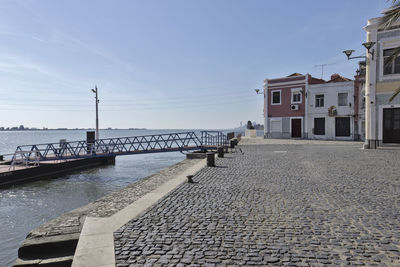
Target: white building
column 331, row 109
column 382, row 117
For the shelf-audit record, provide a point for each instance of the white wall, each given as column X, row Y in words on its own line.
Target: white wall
column 330, row 92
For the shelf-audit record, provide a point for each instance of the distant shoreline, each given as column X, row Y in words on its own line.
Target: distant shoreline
column 64, row 129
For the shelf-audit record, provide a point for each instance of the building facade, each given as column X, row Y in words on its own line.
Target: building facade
column 285, row 106
column 331, row 109
column 382, row 122
column 301, row 106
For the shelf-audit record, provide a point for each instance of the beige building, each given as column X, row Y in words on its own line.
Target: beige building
column 382, row 119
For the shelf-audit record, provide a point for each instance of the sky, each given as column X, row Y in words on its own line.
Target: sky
column 167, row 64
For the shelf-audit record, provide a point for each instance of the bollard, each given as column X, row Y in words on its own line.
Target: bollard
column 232, row 144
column 220, row 152
column 235, row 141
column 210, row 159
column 190, row 178
column 226, row 149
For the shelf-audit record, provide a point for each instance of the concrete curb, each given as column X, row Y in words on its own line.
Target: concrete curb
column 96, row 242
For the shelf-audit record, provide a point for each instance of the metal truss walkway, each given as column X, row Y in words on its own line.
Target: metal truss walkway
column 183, row 141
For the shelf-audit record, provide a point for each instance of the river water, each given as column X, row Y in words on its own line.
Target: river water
column 25, row 207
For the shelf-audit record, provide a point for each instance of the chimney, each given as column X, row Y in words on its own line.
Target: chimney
column 334, row 76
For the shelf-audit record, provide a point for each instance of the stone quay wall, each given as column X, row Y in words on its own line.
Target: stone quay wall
column 54, row 242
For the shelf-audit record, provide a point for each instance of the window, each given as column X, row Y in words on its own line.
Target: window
column 296, row 96
column 342, row 99
column 276, row 97
column 319, row 101
column 319, row 126
column 390, row 66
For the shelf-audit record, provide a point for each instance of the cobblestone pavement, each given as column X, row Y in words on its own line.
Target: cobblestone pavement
column 72, row 222
column 292, row 205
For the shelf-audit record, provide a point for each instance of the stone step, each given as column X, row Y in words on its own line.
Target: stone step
column 52, row 262
column 48, row 247
column 389, row 147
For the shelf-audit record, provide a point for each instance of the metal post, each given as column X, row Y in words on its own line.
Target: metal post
column 97, row 112
column 232, row 143
column 220, row 151
column 210, row 159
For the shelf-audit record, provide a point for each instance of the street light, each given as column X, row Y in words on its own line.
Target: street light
column 367, row 45
column 258, row 91
column 369, row 93
column 97, row 112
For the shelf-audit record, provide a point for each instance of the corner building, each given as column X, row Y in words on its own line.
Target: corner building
column 382, row 118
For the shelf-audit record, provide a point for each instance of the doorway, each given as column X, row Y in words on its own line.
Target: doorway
column 391, row 125
column 296, row 128
column 342, row 126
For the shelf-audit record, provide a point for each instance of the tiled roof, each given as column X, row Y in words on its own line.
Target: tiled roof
column 335, row 78
column 295, row 74
column 313, row 80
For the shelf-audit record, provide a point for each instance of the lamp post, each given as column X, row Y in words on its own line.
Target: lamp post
column 97, row 112
column 370, row 112
column 260, row 92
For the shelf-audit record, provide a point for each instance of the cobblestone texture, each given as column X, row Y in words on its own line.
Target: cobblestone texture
column 72, row 222
column 313, row 205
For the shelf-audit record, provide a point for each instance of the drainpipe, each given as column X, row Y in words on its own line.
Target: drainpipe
column 306, row 109
column 266, row 125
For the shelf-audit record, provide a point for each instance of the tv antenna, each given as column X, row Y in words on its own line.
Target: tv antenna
column 322, row 68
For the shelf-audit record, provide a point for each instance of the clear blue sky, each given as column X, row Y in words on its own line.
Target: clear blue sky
column 165, row 64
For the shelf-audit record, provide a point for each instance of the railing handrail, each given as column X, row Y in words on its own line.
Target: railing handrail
column 137, row 136
column 178, row 141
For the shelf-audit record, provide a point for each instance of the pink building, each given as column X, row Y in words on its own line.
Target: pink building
column 285, row 105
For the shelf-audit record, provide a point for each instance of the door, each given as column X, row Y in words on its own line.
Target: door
column 276, row 126
column 319, row 126
column 342, row 126
column 391, row 125
column 296, row 127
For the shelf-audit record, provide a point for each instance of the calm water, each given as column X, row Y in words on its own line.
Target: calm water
column 25, row 207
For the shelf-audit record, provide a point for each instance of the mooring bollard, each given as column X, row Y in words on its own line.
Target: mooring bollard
column 210, row 159
column 190, row 178
column 220, row 152
column 235, row 141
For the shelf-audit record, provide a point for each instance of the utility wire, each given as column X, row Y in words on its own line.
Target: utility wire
column 147, row 107
column 152, row 99
column 157, row 103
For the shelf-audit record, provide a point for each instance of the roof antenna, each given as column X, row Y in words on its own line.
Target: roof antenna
column 322, row 68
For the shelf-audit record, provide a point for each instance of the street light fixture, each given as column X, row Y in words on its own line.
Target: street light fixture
column 97, row 112
column 348, row 53
column 367, row 45
column 258, row 92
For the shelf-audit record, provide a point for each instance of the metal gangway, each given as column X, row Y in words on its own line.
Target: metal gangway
column 169, row 142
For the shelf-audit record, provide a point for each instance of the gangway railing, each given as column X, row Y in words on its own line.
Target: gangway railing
column 182, row 141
